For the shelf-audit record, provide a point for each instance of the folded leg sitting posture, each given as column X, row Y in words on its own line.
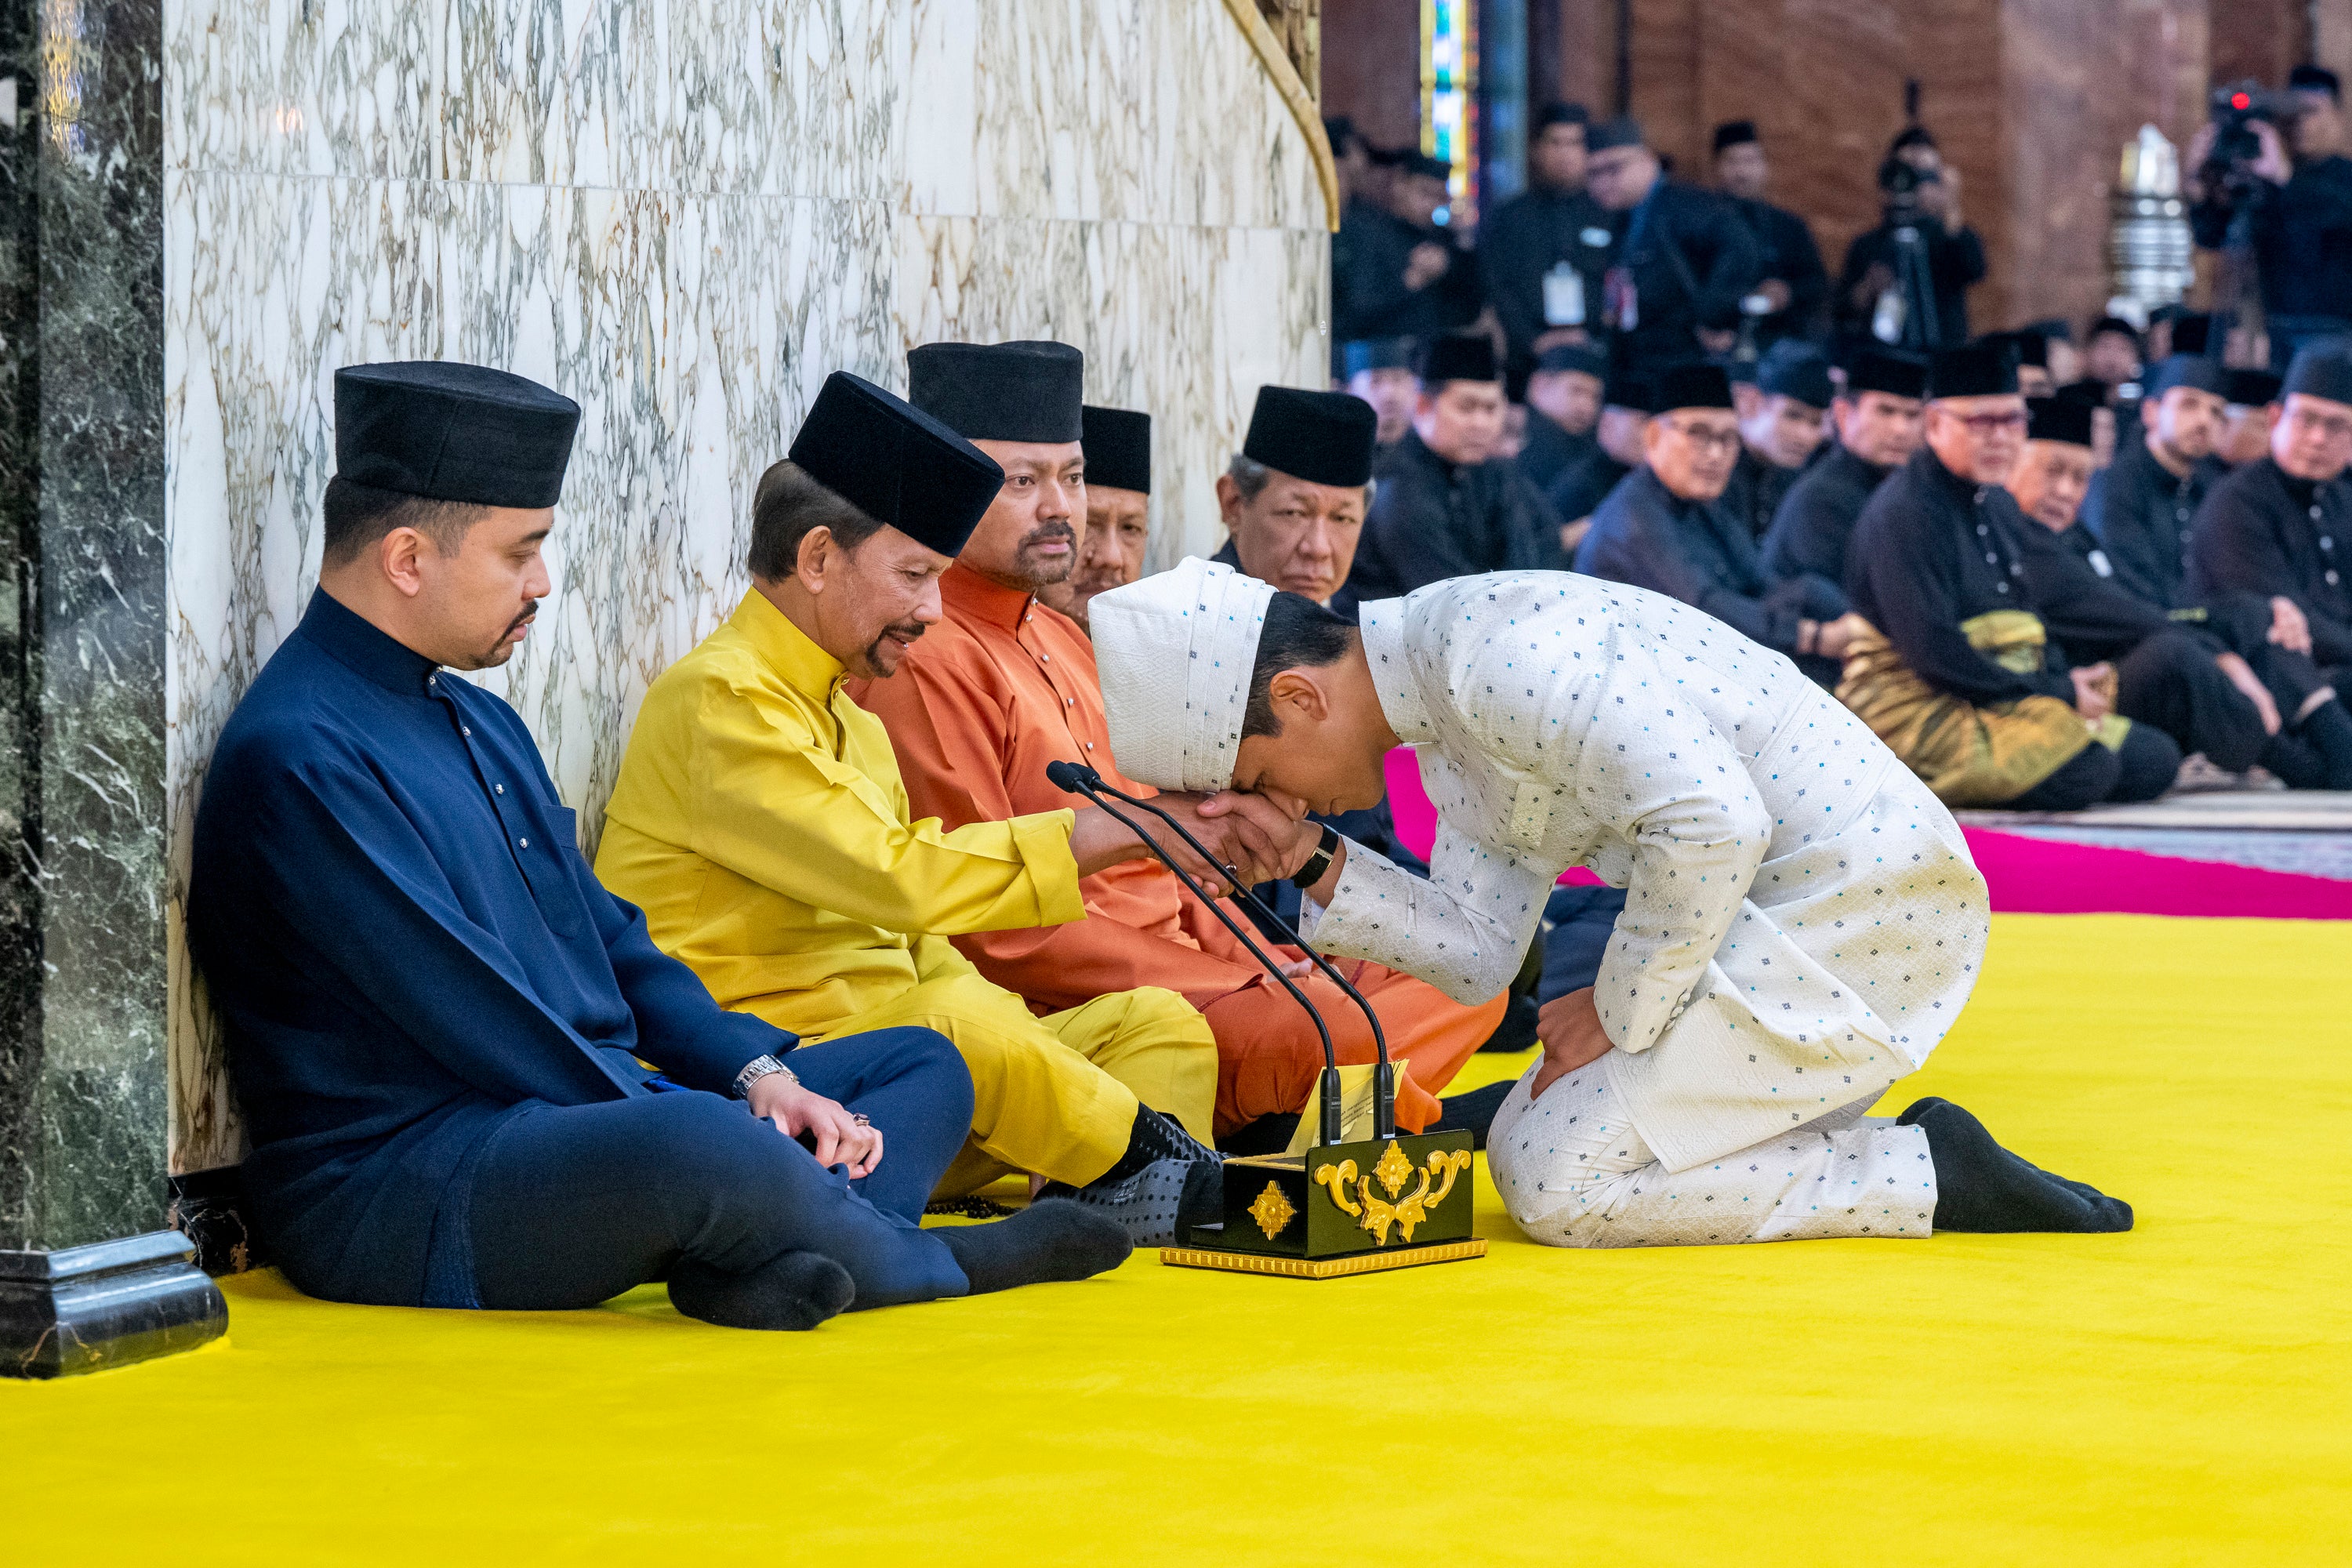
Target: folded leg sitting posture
column 437, row 1017
column 1802, row 925
column 762, row 822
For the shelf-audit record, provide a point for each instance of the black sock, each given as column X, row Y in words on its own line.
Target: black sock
column 1473, row 1112
column 791, row 1290
column 1051, row 1239
column 1982, row 1187
column 1153, row 1137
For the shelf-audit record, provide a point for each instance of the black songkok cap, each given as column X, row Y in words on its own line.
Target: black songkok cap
column 1323, row 437
column 2192, row 333
column 2090, row 391
column 1623, row 131
column 1791, row 369
column 896, row 463
column 2315, row 78
column 1118, row 448
column 1897, row 375
column 2025, row 347
column 1694, row 386
column 1976, row 370
column 1001, row 392
column 1734, row 134
column 2323, row 370
column 2058, row 419
column 2252, row 389
column 2112, row 324
column 1580, row 357
column 2056, row 328
column 1630, row 389
column 1377, row 354
column 1414, row 162
column 453, row 432
column 2185, row 370
column 1457, row 356
column 1558, row 113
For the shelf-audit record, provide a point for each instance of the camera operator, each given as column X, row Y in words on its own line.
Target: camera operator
column 1905, row 283
column 2271, row 175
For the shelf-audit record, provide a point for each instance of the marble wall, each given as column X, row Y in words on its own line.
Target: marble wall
column 683, row 214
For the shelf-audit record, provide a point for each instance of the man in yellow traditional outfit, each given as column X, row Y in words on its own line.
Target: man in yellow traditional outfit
column 761, row 823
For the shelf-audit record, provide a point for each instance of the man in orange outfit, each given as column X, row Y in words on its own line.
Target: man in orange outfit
column 1007, row 685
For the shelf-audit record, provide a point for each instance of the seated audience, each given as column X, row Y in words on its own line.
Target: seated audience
column 2246, row 423
column 1563, row 404
column 1878, row 426
column 1779, row 432
column 1117, row 443
column 2140, row 506
column 2111, row 351
column 2280, row 527
column 2031, row 351
column 437, row 1016
column 2215, row 687
column 761, row 822
column 1445, row 506
column 1004, row 686
column 1625, row 413
column 2053, row 474
column 1298, row 526
column 1662, row 529
column 1957, row 669
column 1379, row 371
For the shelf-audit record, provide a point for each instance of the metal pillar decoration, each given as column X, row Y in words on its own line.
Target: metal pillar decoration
column 2149, row 252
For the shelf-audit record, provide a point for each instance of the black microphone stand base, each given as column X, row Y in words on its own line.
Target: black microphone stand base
column 1342, row 1208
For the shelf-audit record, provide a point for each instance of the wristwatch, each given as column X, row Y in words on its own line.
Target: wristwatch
column 759, row 1068
column 1327, row 849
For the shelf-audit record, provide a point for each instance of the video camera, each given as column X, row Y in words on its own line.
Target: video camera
column 1899, row 180
column 2229, row 167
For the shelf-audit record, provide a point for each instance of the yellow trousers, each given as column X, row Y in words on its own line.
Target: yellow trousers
column 1056, row 1096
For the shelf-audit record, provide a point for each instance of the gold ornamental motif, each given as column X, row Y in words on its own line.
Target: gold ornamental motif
column 1272, row 1211
column 1377, row 1215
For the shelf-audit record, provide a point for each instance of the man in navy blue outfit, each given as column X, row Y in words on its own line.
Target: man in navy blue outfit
column 437, row 1016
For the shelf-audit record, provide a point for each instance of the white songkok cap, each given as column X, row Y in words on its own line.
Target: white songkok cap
column 1190, row 634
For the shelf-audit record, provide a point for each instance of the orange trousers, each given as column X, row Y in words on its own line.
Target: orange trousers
column 1269, row 1052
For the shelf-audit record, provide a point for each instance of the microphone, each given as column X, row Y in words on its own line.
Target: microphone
column 1076, row 778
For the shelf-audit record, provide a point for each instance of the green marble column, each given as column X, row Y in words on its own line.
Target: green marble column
column 82, row 969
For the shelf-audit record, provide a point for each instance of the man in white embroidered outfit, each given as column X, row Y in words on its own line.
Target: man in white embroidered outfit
column 1802, row 923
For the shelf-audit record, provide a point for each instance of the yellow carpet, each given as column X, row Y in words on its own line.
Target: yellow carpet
column 2179, row 1394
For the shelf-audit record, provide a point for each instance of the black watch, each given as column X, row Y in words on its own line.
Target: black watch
column 1327, row 849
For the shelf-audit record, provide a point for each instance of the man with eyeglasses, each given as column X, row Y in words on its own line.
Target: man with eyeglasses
column 1662, row 529
column 1958, row 670
column 2282, row 526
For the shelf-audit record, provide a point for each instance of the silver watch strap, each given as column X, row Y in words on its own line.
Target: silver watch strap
column 758, row 1068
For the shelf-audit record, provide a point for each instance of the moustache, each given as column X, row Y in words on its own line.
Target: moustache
column 1047, row 531
column 528, row 612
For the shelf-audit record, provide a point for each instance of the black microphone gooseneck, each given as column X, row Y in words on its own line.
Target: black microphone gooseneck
column 1078, row 779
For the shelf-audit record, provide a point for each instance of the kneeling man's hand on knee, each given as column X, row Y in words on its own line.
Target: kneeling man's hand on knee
column 841, row 1138
column 1569, row 1028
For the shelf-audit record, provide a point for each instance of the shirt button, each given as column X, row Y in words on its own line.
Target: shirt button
column 498, row 789
column 1046, row 658
column 432, row 681
column 2314, row 514
column 1069, row 703
column 524, row 842
column 462, row 729
column 1090, row 745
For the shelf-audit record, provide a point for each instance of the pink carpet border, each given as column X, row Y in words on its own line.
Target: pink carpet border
column 2037, row 876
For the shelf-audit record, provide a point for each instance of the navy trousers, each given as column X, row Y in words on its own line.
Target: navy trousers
column 569, row 1206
